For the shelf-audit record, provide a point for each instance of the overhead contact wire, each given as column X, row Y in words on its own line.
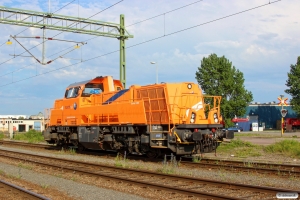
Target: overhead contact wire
column 126, row 26
column 149, row 40
column 60, row 32
column 28, row 28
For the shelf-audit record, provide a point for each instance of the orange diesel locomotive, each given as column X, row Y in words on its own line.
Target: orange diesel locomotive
column 151, row 119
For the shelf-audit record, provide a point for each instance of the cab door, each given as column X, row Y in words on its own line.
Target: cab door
column 70, row 107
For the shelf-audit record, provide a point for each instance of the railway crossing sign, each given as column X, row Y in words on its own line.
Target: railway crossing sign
column 284, row 112
column 282, row 101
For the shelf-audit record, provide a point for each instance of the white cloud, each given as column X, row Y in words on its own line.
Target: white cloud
column 256, row 49
column 225, row 44
column 188, row 56
column 256, row 42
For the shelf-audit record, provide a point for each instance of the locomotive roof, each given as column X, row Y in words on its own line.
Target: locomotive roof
column 85, row 82
column 79, row 83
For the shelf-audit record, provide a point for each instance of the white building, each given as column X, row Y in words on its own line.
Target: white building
column 21, row 125
column 13, row 116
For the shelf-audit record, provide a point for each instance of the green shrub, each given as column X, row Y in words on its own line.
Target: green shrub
column 1, row 136
column 31, row 136
column 286, row 147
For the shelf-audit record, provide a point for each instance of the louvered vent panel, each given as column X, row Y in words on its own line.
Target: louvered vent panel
column 160, row 93
column 156, row 117
column 164, row 116
column 144, row 94
column 138, row 94
column 148, row 116
column 152, row 93
column 147, row 105
column 154, row 105
column 162, row 104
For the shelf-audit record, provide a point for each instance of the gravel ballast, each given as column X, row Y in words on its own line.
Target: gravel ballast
column 73, row 189
column 86, row 192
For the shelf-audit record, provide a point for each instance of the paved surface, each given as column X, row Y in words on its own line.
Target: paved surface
column 267, row 137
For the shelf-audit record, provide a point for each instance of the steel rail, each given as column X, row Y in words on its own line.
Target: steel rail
column 27, row 194
column 248, row 166
column 232, row 165
column 75, row 167
column 5, row 142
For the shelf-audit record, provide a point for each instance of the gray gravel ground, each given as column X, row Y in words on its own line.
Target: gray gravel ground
column 74, row 189
column 91, row 192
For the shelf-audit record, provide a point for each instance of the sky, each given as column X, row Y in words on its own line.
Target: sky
column 260, row 38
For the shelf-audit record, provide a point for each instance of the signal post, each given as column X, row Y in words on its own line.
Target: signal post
column 282, row 102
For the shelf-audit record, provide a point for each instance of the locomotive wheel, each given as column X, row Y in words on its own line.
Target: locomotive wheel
column 80, row 148
column 153, row 154
column 65, row 146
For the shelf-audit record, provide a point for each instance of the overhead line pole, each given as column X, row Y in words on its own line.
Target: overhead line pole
column 122, row 51
column 50, row 21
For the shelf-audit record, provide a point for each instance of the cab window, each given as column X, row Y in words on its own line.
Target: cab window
column 72, row 92
column 90, row 89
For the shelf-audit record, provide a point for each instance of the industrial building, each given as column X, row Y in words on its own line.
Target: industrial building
column 266, row 115
column 21, row 123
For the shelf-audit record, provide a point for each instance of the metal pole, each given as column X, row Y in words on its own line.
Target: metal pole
column 44, row 48
column 281, row 116
column 49, row 2
column 122, row 52
column 155, row 63
column 156, row 73
column 281, row 121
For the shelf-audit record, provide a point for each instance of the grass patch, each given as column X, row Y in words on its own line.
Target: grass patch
column 196, row 159
column 1, row 136
column 44, row 186
column 121, row 161
column 24, row 166
column 169, row 167
column 262, row 135
column 287, row 147
column 247, row 134
column 246, row 152
column 69, row 151
column 31, row 136
column 238, row 143
column 240, row 148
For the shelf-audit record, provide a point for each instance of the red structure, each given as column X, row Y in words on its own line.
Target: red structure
column 237, row 120
column 292, row 124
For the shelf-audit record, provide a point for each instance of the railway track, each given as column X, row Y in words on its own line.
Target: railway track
column 173, row 185
column 24, row 144
column 11, row 191
column 286, row 170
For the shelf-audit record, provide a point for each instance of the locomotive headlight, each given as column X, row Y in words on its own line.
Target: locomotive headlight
column 216, row 118
column 189, row 86
column 193, row 116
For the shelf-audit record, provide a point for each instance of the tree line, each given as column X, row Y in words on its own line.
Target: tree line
column 217, row 76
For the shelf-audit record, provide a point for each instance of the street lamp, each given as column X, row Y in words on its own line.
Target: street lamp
column 156, row 71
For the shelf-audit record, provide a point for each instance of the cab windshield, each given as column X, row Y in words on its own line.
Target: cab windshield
column 90, row 89
column 72, row 92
